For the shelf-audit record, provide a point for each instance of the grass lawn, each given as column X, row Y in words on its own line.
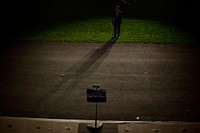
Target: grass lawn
column 55, row 27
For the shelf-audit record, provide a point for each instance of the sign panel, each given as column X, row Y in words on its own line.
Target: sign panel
column 96, row 95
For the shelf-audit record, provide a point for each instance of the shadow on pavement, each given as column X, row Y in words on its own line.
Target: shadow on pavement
column 96, row 57
column 92, row 62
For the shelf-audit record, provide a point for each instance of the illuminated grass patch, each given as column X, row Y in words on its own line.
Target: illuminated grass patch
column 101, row 30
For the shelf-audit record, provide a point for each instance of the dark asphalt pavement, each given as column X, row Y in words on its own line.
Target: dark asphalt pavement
column 148, row 81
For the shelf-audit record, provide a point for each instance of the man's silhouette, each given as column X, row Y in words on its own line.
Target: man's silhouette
column 117, row 20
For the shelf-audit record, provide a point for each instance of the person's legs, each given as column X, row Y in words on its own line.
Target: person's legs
column 115, row 29
column 118, row 30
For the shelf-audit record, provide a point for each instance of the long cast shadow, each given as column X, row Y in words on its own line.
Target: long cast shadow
column 92, row 63
column 96, row 57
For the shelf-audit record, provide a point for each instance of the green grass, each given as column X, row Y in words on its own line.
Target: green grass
column 101, row 30
column 92, row 24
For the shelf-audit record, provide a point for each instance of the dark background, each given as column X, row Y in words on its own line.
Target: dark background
column 22, row 14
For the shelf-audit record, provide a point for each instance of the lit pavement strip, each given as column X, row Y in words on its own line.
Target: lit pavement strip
column 35, row 125
column 38, row 125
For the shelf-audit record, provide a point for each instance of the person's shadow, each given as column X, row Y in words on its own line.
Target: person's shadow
column 96, row 57
column 78, row 71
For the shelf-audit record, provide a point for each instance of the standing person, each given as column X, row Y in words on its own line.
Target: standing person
column 117, row 20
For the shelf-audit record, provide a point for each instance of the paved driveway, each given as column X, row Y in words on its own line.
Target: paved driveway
column 144, row 81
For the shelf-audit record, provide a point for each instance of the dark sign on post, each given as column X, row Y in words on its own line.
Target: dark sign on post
column 96, row 95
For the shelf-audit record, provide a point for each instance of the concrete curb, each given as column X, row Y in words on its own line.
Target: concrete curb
column 42, row 125
column 36, row 125
column 159, row 128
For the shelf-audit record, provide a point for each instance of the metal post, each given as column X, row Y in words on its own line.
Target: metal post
column 96, row 117
column 96, row 87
